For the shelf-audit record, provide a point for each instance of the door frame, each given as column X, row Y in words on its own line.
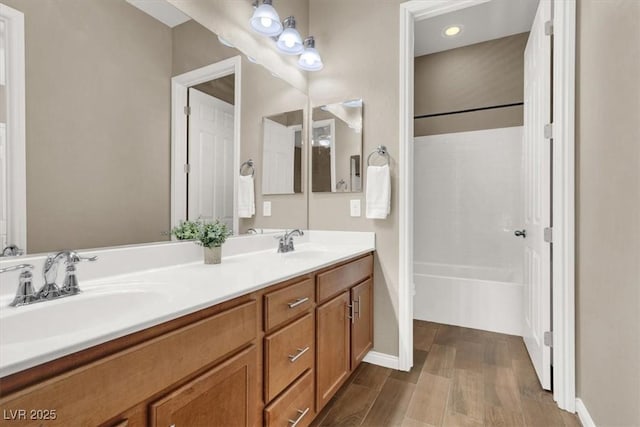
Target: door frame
column 563, row 187
column 179, row 100
column 16, row 126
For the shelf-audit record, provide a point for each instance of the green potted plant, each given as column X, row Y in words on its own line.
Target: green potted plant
column 210, row 235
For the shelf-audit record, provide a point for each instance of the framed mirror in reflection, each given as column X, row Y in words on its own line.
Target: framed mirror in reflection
column 336, row 154
column 282, row 153
column 100, row 125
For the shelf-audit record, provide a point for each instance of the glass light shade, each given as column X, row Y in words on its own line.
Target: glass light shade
column 310, row 60
column 265, row 21
column 290, row 41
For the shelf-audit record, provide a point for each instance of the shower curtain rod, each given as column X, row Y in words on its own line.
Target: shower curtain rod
column 493, row 107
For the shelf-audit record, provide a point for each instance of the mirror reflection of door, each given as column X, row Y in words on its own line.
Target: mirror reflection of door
column 282, row 153
column 324, row 161
column 211, row 151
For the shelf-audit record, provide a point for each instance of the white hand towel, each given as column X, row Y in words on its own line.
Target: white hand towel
column 246, row 197
column 378, row 192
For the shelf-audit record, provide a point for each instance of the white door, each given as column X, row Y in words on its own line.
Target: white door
column 537, row 193
column 210, row 180
column 278, row 158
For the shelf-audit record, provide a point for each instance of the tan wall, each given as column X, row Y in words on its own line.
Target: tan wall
column 86, row 119
column 480, row 75
column 608, row 211
column 360, row 53
column 262, row 95
column 222, row 88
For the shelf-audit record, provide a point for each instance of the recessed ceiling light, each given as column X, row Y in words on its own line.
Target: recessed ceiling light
column 452, row 30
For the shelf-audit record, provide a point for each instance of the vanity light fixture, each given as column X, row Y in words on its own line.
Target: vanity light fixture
column 310, row 59
column 452, row 30
column 252, row 59
column 265, row 19
column 290, row 42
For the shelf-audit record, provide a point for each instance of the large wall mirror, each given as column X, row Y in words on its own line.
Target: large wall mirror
column 100, row 118
column 336, row 159
column 282, row 148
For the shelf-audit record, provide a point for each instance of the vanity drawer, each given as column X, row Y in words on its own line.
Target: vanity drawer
column 339, row 279
column 295, row 404
column 287, row 354
column 288, row 303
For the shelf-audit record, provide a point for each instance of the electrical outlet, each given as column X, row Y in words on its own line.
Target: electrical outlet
column 355, row 207
column 266, row 208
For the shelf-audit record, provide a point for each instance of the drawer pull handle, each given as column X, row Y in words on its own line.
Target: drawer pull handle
column 301, row 351
column 298, row 302
column 359, row 311
column 295, row 422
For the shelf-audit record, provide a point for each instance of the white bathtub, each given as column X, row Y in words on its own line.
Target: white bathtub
column 474, row 297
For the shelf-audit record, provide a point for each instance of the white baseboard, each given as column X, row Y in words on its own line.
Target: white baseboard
column 583, row 414
column 382, row 359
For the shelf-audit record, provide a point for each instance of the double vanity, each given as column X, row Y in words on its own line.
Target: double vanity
column 156, row 337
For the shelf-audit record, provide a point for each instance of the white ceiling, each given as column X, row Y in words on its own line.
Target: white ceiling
column 164, row 12
column 487, row 21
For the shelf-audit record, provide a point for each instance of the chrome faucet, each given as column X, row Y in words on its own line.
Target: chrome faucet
column 50, row 289
column 285, row 242
column 25, row 294
column 11, row 250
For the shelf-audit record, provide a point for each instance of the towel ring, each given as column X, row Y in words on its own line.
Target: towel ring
column 380, row 150
column 249, row 164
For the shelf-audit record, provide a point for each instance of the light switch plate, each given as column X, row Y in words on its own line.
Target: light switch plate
column 355, row 207
column 266, row 208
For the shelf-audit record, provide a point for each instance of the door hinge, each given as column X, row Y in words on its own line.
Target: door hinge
column 548, row 234
column 187, row 110
column 187, row 168
column 548, row 131
column 548, row 28
column 548, row 339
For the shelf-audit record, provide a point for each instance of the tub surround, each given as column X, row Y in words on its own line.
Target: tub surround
column 150, row 284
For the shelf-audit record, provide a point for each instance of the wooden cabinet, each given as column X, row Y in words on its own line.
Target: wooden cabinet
column 294, row 406
column 274, row 356
column 362, row 322
column 332, row 340
column 287, row 354
column 223, row 396
column 344, row 325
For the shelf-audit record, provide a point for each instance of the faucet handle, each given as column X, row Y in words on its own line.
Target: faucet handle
column 75, row 258
column 25, row 293
column 24, row 267
column 70, row 285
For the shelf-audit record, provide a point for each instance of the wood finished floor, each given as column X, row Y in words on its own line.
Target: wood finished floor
column 460, row 377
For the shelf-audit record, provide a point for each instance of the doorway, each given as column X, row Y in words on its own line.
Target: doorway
column 210, row 151
column 563, row 36
column 204, row 167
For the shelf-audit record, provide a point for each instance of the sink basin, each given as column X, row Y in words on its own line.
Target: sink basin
column 91, row 310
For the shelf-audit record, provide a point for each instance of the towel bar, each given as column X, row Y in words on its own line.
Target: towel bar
column 380, row 150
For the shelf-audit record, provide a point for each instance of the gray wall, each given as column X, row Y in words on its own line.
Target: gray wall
column 86, row 119
column 480, row 75
column 608, row 210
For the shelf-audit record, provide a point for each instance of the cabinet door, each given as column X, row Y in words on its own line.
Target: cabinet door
column 333, row 355
column 226, row 395
column 362, row 324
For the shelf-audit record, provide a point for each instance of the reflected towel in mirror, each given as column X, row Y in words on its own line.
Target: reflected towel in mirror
column 246, row 197
column 378, row 192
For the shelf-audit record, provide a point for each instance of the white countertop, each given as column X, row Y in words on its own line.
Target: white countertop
column 114, row 306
